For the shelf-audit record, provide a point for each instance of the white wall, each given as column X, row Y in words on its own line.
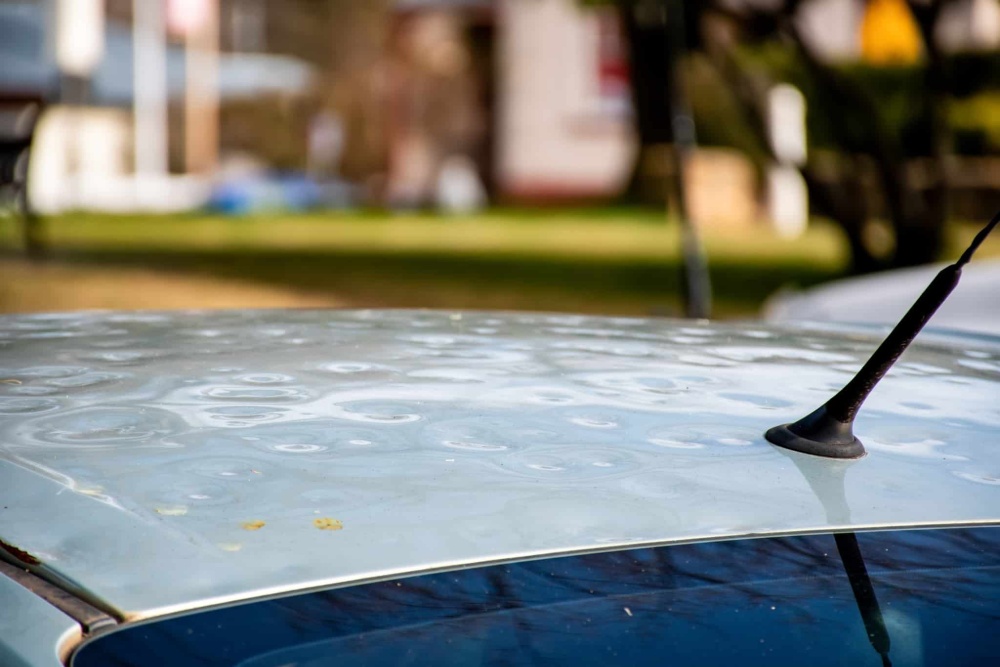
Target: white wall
column 554, row 134
column 832, row 27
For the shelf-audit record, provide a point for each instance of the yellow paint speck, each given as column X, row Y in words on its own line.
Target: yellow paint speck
column 253, row 525
column 231, row 546
column 325, row 523
column 172, row 511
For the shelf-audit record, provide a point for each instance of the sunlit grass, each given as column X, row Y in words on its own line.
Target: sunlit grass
column 591, row 234
column 604, row 260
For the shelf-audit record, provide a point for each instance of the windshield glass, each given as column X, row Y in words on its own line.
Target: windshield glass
column 748, row 602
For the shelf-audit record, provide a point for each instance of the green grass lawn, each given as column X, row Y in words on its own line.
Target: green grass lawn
column 613, row 261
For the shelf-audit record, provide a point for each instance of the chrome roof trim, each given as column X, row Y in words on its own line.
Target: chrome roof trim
column 153, row 615
column 155, row 462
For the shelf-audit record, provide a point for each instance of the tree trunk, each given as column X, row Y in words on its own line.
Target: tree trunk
column 917, row 227
column 843, row 200
column 923, row 240
column 644, row 27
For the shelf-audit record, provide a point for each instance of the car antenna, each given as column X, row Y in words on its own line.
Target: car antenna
column 828, row 431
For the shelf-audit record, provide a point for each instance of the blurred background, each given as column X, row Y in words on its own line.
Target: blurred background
column 559, row 155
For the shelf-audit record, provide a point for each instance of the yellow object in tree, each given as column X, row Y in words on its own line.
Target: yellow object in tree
column 889, row 34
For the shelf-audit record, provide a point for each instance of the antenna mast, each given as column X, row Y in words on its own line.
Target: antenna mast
column 829, row 430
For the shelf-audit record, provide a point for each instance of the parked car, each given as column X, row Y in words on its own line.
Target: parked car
column 882, row 298
column 416, row 487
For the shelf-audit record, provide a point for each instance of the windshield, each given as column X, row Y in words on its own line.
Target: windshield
column 748, row 602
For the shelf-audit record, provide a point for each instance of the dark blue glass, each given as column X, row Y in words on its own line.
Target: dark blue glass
column 773, row 601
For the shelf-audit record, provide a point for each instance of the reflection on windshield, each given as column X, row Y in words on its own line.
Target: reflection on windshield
column 748, row 602
column 864, row 594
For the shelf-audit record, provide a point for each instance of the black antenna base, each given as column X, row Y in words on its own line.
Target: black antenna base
column 820, row 434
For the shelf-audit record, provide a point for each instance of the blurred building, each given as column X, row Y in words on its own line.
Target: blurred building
column 85, row 149
column 29, row 64
column 418, row 102
column 534, row 94
column 564, row 126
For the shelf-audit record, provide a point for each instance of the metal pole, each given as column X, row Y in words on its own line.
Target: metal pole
column 695, row 281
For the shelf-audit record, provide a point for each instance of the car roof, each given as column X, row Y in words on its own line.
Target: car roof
column 157, row 462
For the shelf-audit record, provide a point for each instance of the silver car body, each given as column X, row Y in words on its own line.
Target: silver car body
column 154, row 463
column 883, row 298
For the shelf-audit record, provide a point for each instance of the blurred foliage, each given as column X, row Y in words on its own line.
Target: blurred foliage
column 900, row 92
column 889, row 124
column 973, row 81
column 719, row 118
column 973, row 72
column 976, row 124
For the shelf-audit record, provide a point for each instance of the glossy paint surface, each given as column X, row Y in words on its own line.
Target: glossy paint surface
column 885, row 296
column 157, row 462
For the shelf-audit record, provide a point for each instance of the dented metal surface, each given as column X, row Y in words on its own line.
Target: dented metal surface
column 157, row 462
